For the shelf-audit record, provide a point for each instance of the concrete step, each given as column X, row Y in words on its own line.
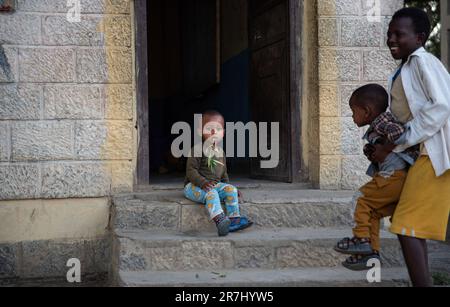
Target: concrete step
column 250, row 249
column 170, row 211
column 316, row 277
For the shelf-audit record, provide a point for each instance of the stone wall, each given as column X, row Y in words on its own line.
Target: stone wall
column 66, row 117
column 352, row 52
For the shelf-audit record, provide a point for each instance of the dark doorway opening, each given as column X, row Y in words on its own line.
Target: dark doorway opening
column 234, row 56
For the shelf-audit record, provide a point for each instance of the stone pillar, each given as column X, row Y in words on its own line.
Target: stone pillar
column 352, row 52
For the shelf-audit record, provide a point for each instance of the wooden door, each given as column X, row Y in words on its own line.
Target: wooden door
column 269, row 30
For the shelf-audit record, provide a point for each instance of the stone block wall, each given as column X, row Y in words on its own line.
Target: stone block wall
column 67, row 100
column 352, row 52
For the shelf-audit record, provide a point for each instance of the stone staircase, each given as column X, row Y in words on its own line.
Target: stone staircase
column 162, row 239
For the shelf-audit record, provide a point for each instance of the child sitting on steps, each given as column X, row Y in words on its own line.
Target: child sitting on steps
column 207, row 179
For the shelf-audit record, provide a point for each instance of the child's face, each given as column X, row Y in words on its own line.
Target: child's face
column 403, row 39
column 213, row 128
column 361, row 115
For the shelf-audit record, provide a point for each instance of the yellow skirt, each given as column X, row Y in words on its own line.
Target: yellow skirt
column 424, row 207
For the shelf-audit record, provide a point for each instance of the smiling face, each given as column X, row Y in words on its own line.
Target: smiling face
column 403, row 39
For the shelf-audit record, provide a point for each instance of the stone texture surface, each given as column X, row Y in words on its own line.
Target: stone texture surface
column 330, row 172
column 19, row 181
column 329, row 101
column 73, row 102
column 328, row 32
column 20, row 101
column 140, row 215
column 58, row 31
column 104, row 140
column 20, row 29
column 47, row 65
column 113, row 65
column 338, row 7
column 119, row 101
column 66, row 180
column 51, row 140
column 354, row 172
column 60, row 6
column 378, row 65
column 358, row 32
column 339, row 65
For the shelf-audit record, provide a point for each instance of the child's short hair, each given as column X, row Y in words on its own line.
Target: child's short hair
column 419, row 18
column 212, row 113
column 373, row 95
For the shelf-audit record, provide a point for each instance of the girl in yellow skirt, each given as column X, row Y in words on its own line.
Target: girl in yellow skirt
column 420, row 97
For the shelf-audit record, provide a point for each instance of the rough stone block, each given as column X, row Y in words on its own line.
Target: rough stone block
column 328, row 32
column 146, row 216
column 354, row 172
column 358, row 32
column 118, row 101
column 22, row 101
column 339, row 65
column 193, row 216
column 330, row 172
column 47, row 65
column 329, row 102
column 308, row 254
column 19, row 181
column 338, row 7
column 42, row 141
column 20, row 29
column 207, row 255
column 60, row 6
column 330, row 136
column 388, row 7
column 104, row 140
column 49, row 258
column 58, row 31
column 73, row 102
column 66, row 180
column 111, row 65
column 117, row 30
column 254, row 257
column 378, row 65
column 122, row 177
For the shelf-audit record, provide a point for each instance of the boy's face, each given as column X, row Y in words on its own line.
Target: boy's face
column 361, row 115
column 403, row 39
column 213, row 128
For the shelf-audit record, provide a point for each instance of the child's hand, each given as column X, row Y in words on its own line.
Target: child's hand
column 381, row 152
column 209, row 186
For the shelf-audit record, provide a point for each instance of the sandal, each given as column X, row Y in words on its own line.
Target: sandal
column 354, row 246
column 360, row 262
column 240, row 223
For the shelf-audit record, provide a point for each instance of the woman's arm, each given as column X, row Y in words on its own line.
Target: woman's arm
column 433, row 116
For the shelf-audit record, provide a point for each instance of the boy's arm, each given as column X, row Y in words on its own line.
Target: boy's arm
column 192, row 173
column 433, row 116
column 387, row 126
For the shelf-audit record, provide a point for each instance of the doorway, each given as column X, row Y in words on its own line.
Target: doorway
column 235, row 56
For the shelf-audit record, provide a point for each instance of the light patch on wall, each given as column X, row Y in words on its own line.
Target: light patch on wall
column 7, row 5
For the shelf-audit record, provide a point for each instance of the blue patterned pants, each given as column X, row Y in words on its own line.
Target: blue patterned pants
column 212, row 199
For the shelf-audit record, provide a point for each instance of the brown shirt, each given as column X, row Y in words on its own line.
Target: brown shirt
column 198, row 173
column 400, row 107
